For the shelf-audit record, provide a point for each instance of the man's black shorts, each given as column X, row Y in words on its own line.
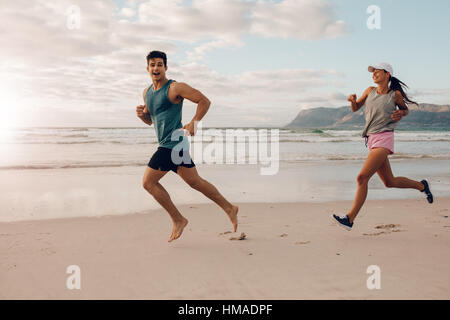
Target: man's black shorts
column 162, row 160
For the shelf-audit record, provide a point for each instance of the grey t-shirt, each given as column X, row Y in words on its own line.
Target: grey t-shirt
column 378, row 111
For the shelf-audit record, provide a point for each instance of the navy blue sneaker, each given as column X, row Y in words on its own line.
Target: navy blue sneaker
column 427, row 191
column 343, row 221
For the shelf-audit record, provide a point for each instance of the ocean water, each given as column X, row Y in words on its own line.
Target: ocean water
column 69, row 172
column 52, row 148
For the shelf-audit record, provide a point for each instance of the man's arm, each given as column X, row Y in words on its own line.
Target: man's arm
column 187, row 92
column 142, row 111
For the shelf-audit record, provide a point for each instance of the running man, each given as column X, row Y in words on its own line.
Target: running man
column 381, row 119
column 163, row 102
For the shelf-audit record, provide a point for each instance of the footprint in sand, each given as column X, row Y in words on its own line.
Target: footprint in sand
column 241, row 237
column 42, row 235
column 9, row 234
column 432, row 219
column 48, row 251
column 387, row 228
column 226, row 232
column 10, row 266
column 302, row 242
column 283, row 235
column 375, row 233
column 15, row 244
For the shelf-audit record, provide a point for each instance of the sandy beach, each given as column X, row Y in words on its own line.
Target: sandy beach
column 274, row 106
column 291, row 251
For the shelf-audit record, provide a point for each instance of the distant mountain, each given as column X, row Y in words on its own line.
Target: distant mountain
column 423, row 116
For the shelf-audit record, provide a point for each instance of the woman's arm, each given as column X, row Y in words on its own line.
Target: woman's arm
column 400, row 102
column 403, row 108
column 355, row 105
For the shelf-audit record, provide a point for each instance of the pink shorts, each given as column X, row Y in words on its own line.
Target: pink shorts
column 381, row 140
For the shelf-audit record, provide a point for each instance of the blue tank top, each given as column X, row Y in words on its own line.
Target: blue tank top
column 166, row 117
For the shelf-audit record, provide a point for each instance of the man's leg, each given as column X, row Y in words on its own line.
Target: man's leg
column 151, row 184
column 190, row 175
column 374, row 160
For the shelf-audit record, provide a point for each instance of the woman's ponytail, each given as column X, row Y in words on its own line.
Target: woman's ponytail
column 400, row 86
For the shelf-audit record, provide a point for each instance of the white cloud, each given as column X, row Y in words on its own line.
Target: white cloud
column 430, row 95
column 39, row 35
column 277, row 95
column 99, row 69
column 127, row 12
column 222, row 23
column 301, row 19
column 204, row 19
column 199, row 52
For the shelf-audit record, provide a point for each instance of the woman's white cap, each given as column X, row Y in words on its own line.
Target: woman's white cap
column 382, row 65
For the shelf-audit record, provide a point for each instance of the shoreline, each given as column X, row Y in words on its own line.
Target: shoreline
column 118, row 191
column 186, row 206
column 291, row 251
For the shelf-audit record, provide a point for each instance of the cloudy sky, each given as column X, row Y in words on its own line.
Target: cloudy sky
column 82, row 62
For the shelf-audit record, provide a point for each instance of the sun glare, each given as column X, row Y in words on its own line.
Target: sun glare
column 9, row 110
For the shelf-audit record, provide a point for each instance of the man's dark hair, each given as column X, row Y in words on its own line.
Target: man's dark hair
column 157, row 54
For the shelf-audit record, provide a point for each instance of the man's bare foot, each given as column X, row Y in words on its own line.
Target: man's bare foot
column 232, row 214
column 177, row 229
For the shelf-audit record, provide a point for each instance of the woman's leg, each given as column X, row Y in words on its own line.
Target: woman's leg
column 373, row 162
column 390, row 181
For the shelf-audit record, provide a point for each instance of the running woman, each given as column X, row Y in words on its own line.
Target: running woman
column 163, row 102
column 381, row 119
